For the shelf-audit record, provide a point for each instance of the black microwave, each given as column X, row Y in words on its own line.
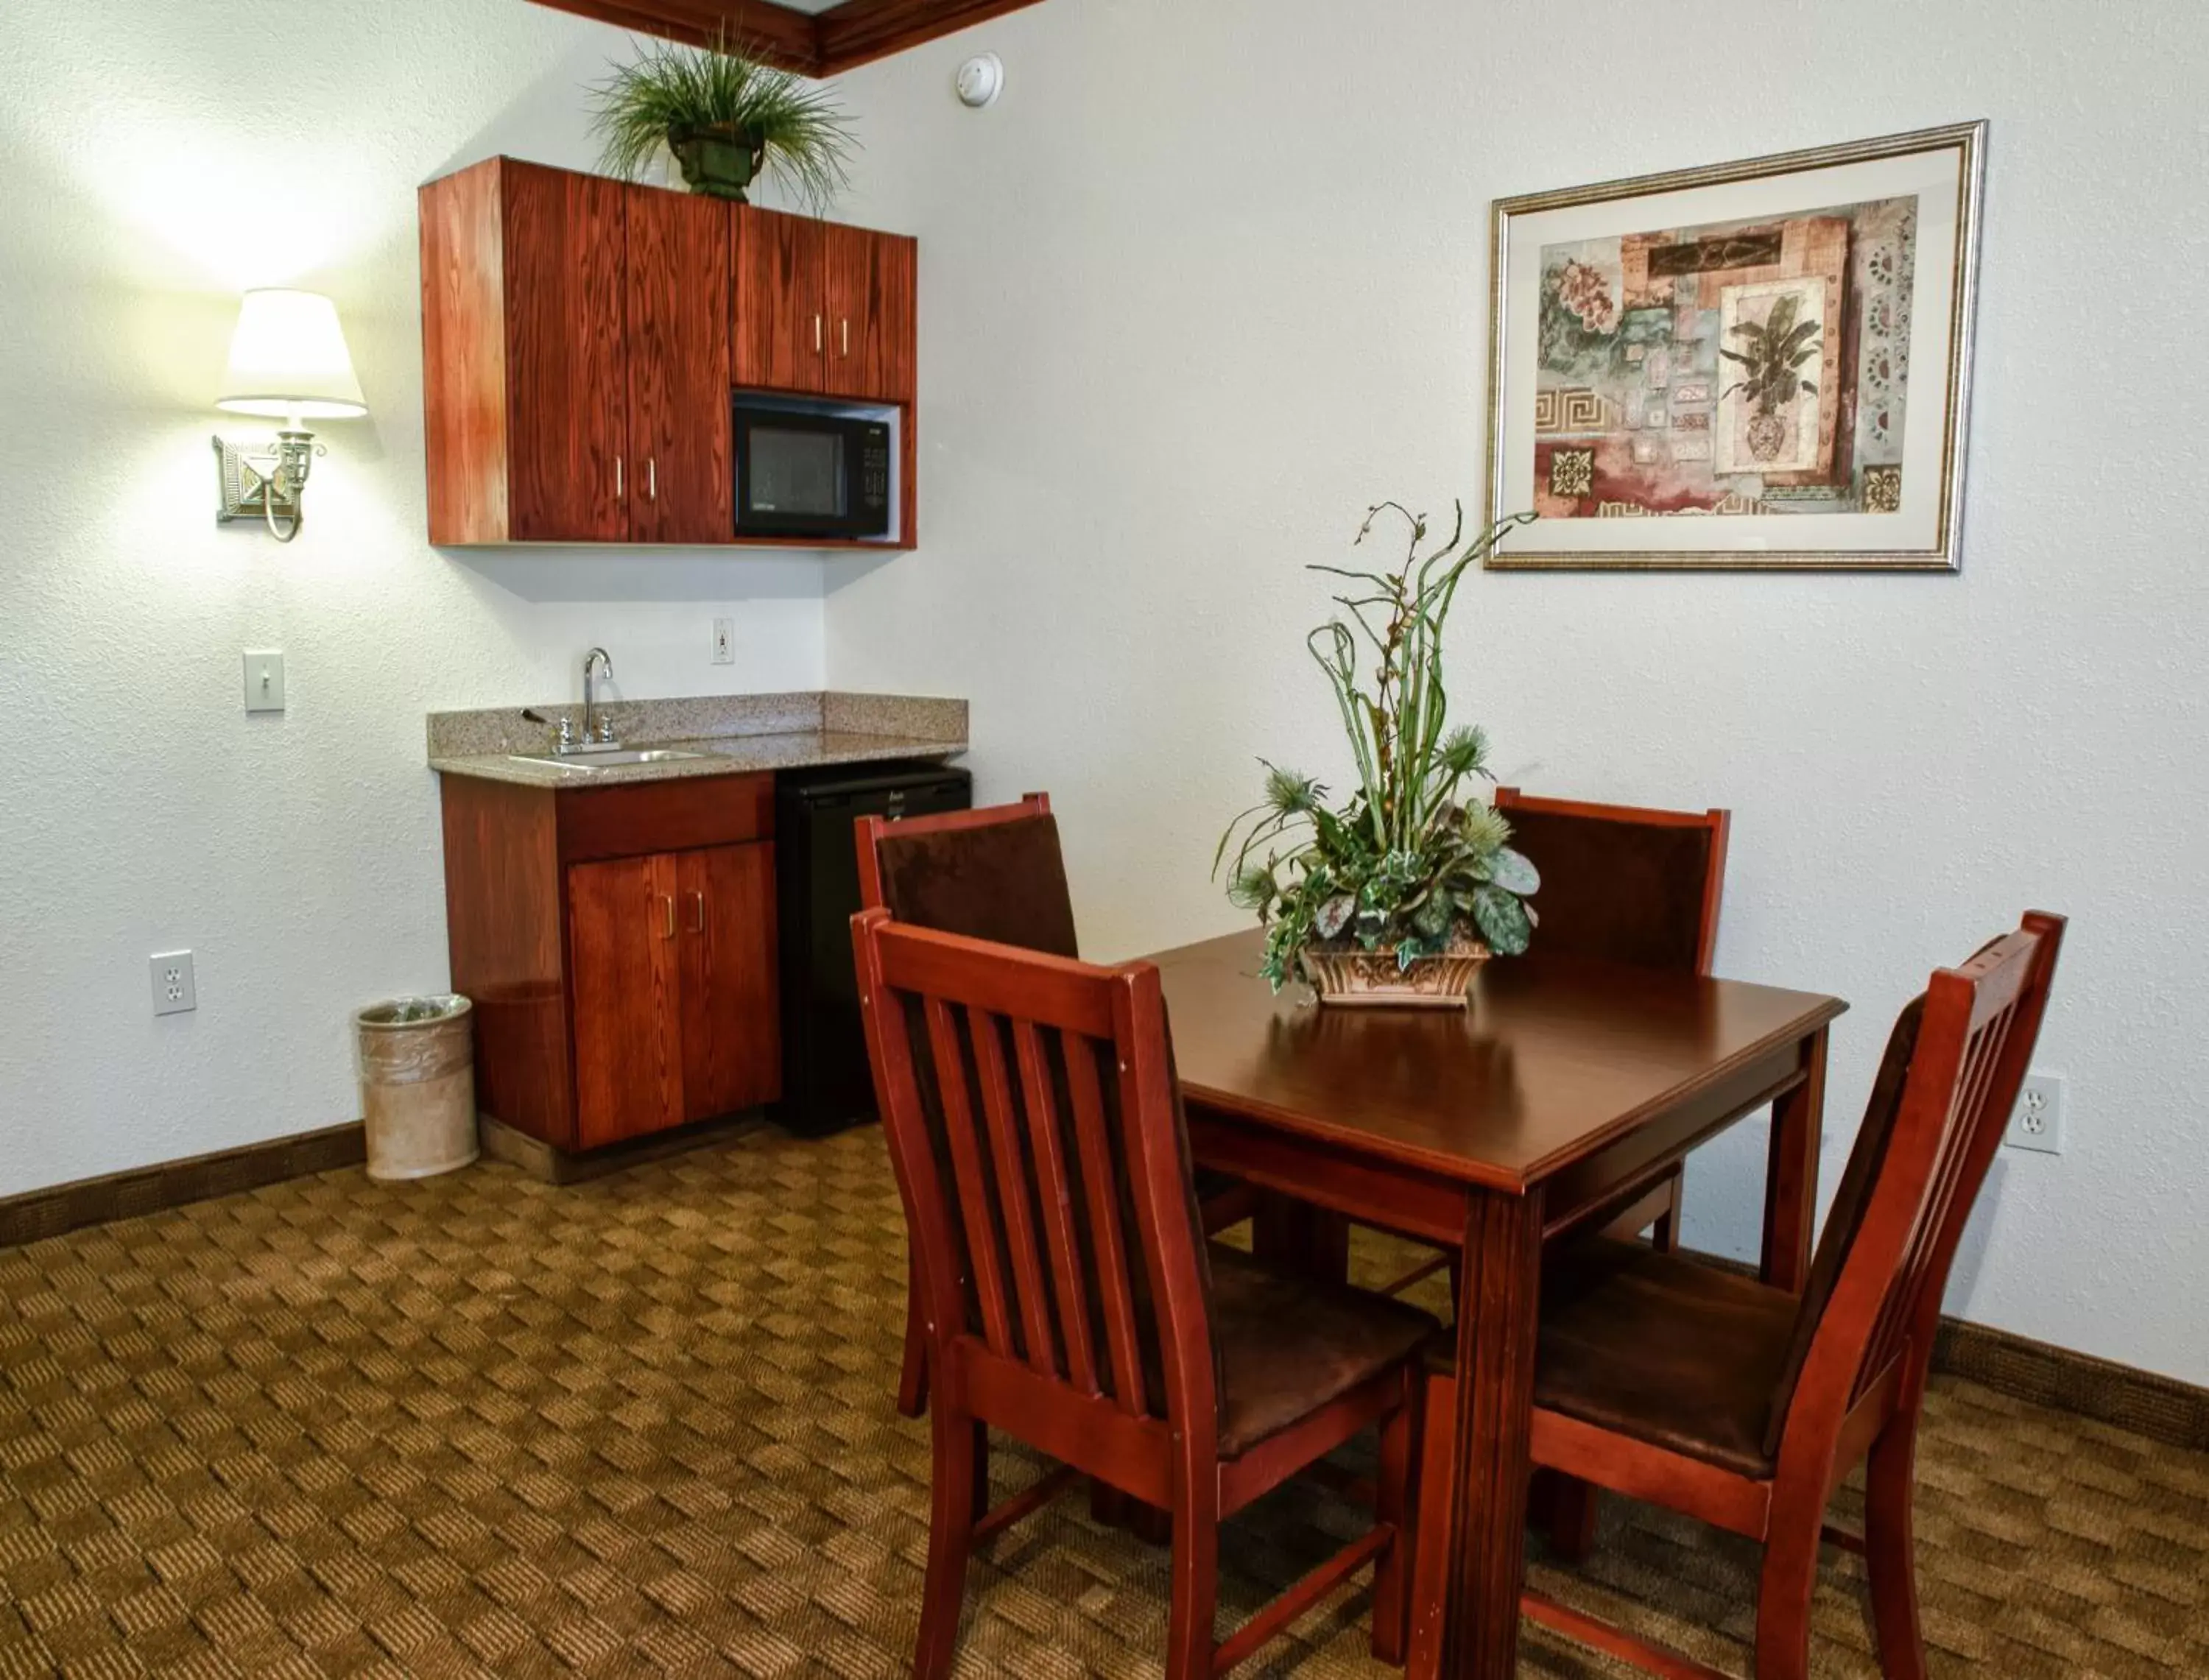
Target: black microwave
column 803, row 472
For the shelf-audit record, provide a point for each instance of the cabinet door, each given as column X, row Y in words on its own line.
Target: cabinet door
column 731, row 1032
column 870, row 290
column 567, row 387
column 626, row 966
column 678, row 368
column 781, row 326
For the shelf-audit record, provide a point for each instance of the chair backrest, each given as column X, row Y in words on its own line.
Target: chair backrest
column 1035, row 1125
column 1622, row 883
column 995, row 874
column 1942, row 1097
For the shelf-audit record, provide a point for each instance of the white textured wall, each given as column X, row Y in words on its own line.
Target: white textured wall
column 1212, row 277
column 157, row 160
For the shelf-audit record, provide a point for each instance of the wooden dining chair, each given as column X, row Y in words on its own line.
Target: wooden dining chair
column 1070, row 1297
column 1620, row 883
column 1705, row 1391
column 996, row 873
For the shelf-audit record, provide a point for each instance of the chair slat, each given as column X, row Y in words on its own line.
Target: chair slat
column 1114, row 1287
column 967, row 1168
column 1058, row 1200
column 1013, row 1180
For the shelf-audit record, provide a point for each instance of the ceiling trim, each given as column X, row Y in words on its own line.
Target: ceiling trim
column 819, row 44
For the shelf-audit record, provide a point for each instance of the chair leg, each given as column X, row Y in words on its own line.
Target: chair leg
column 1891, row 1552
column 1664, row 1234
column 912, row 1377
column 1196, row 1582
column 961, row 1467
column 1784, row 1588
column 1572, row 1518
column 1396, row 1505
column 1433, row 1506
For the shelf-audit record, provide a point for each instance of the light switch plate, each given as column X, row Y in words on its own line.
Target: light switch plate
column 264, row 681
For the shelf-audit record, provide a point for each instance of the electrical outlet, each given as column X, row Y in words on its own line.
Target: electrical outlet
column 2038, row 1121
column 174, row 993
column 725, row 642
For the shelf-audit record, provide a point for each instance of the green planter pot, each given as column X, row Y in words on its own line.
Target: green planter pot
column 718, row 162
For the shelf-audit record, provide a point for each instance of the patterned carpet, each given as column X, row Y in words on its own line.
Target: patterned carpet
column 482, row 1426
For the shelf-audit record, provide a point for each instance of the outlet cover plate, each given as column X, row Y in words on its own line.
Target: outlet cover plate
column 2036, row 1123
column 264, row 681
column 175, row 992
column 725, row 642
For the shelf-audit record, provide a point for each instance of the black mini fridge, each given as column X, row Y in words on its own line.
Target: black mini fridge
column 825, row 1084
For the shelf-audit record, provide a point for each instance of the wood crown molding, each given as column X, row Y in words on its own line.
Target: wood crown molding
column 812, row 44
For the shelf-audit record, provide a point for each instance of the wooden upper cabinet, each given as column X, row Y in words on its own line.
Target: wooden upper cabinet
column 781, row 313
column 869, row 292
column 679, row 427
column 567, row 397
column 581, row 337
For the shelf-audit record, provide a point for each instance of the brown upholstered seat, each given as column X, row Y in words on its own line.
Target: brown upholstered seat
column 1288, row 1347
column 1679, row 1354
column 1004, row 881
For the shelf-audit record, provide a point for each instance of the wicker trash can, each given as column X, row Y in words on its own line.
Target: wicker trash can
column 417, row 1085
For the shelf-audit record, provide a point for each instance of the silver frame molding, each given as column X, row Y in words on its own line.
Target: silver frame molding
column 1969, row 139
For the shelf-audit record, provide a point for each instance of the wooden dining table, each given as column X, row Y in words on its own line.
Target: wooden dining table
column 1559, row 1094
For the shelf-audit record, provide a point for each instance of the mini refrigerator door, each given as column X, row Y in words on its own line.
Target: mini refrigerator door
column 826, row 1082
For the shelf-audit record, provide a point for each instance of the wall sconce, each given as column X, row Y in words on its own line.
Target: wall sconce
column 288, row 361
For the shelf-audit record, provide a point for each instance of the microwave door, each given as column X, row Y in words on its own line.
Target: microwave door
column 798, row 475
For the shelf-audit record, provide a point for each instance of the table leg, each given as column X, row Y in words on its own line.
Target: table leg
column 1298, row 1240
column 1499, row 1298
column 1790, row 1179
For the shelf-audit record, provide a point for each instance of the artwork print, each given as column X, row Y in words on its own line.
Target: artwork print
column 1728, row 367
column 1762, row 365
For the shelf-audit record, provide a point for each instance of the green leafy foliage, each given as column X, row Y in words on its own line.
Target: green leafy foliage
column 1404, row 863
column 1772, row 354
column 671, row 89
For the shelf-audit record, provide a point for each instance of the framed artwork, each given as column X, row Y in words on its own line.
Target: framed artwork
column 1763, row 364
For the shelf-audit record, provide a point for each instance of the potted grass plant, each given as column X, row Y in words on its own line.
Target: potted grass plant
column 727, row 118
column 1398, row 894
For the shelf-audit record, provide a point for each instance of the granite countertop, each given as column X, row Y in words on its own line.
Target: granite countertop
column 732, row 734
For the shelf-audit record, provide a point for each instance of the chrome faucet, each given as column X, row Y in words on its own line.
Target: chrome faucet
column 604, row 734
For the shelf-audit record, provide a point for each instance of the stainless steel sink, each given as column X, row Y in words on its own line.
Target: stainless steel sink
column 587, row 759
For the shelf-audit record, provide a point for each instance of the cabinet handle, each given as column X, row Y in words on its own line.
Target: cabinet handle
column 848, row 338
column 816, row 335
column 652, row 476
column 621, row 492
column 667, row 904
column 699, row 926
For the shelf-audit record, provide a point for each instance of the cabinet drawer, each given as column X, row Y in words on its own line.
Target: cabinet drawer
column 677, row 816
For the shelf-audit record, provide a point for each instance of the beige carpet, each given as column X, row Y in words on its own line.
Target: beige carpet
column 642, row 1426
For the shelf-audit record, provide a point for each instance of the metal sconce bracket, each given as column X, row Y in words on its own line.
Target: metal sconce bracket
column 269, row 484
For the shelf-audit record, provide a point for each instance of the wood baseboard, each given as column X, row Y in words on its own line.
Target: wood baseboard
column 2161, row 1408
column 36, row 1216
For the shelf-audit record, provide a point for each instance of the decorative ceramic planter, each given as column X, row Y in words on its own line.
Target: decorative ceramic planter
column 1371, row 979
column 718, row 162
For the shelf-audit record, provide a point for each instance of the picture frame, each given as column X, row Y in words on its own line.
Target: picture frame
column 1759, row 365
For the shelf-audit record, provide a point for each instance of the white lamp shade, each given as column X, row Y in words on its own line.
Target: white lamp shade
column 288, row 357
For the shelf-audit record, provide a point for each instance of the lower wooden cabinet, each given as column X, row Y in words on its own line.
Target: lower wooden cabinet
column 620, row 946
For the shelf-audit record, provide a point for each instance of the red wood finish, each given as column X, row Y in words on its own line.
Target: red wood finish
column 869, row 290
column 1870, row 1345
column 1484, row 1130
column 725, row 931
column 678, row 354
column 621, row 932
column 603, row 1009
column 464, row 358
column 1030, row 1366
column 505, row 917
column 781, row 306
column 567, row 385
column 1790, row 1183
column 824, row 43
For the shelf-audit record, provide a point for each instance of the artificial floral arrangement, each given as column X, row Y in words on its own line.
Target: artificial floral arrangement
column 727, row 118
column 1404, row 873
